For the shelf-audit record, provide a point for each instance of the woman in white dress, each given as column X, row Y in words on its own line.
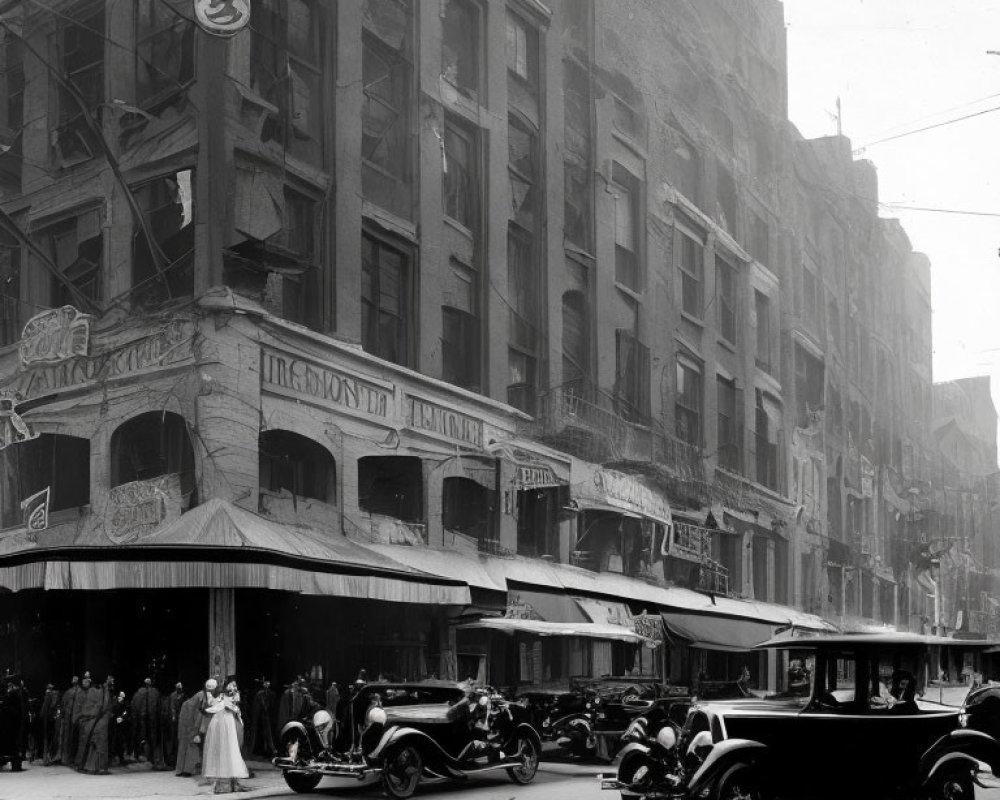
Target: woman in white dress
column 221, row 759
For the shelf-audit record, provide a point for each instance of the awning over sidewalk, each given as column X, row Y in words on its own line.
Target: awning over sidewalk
column 219, row 545
column 537, row 627
column 716, row 633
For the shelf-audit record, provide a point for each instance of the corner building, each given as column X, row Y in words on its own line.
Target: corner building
column 452, row 338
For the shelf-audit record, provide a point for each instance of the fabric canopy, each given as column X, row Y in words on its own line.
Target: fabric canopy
column 715, row 632
column 537, row 627
column 550, row 606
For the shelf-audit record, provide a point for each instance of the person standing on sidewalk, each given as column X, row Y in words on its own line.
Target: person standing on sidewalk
column 188, row 751
column 12, row 732
column 93, row 756
column 51, row 715
column 260, row 736
column 146, row 724
column 222, row 761
column 67, row 735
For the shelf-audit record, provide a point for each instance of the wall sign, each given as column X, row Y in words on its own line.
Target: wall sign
column 424, row 415
column 135, row 509
column 629, row 493
column 36, row 513
column 54, row 336
column 222, row 17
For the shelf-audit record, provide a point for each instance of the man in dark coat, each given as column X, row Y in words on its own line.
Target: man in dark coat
column 146, row 724
column 68, row 708
column 93, row 726
column 121, row 729
column 170, row 709
column 261, row 733
column 188, row 750
column 51, row 715
column 12, row 723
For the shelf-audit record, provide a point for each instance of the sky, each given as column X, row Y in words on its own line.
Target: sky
column 901, row 65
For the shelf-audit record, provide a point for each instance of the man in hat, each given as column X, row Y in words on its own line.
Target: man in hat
column 188, row 753
column 51, row 715
column 146, row 724
column 67, row 736
column 260, row 737
column 93, row 726
column 170, row 709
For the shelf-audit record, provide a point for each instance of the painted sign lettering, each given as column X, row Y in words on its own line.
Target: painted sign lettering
column 54, row 336
column 427, row 416
column 137, row 508
column 222, row 17
column 626, row 491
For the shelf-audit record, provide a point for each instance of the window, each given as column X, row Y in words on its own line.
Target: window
column 688, row 171
column 631, row 377
column 811, row 301
column 727, row 294
column 762, row 311
column 466, row 506
column 578, row 186
column 167, row 206
column 59, row 462
column 74, row 247
column 460, row 49
column 767, row 435
column 10, row 292
column 730, row 426
column 760, row 240
column 725, row 198
column 286, row 58
column 522, row 153
column 385, row 300
column 11, row 111
column 164, row 50
column 687, row 409
column 386, row 149
column 522, row 48
column 626, row 195
column 294, row 463
column 691, row 261
column 521, row 382
column 461, row 353
column 760, row 571
column 80, row 56
column 459, row 175
column 833, row 322
column 391, row 486
column 523, row 288
column 808, row 386
column 575, row 339
column 150, row 445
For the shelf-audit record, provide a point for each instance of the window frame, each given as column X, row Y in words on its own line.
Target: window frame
column 180, row 27
column 476, row 92
column 683, row 405
column 628, row 260
column 406, row 318
column 727, row 277
column 465, row 214
column 691, row 280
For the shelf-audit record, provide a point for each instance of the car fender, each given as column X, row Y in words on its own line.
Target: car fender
column 973, row 744
column 949, row 760
column 434, row 755
column 723, row 756
column 571, row 721
column 632, row 747
column 525, row 730
column 295, row 725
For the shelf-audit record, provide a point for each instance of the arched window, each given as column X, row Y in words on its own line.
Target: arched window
column 61, row 463
column 392, row 486
column 150, row 445
column 296, row 463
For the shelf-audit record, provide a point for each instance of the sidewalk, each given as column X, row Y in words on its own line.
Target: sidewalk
column 129, row 783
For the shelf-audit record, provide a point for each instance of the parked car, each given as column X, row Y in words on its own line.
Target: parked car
column 407, row 732
column 863, row 731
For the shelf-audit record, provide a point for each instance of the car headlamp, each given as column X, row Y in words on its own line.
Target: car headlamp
column 589, row 705
column 376, row 716
column 483, row 700
column 666, row 738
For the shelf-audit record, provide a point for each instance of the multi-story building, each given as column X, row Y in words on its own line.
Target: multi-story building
column 377, row 330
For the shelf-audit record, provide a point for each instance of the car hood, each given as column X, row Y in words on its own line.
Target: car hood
column 754, row 705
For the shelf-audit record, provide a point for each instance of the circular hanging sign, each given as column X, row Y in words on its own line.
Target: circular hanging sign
column 222, row 17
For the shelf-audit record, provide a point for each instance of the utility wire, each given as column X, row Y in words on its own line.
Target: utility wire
column 901, row 207
column 925, row 128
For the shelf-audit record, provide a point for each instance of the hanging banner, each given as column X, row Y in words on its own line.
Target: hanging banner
column 222, row 17
column 36, row 513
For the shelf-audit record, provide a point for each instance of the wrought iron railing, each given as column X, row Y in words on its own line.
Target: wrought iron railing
column 691, row 539
column 714, row 577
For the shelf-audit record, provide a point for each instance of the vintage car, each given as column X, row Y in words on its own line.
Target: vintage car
column 863, row 731
column 404, row 733
column 588, row 717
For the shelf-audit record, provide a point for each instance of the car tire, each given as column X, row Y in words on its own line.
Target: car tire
column 401, row 771
column 525, row 773
column 302, row 782
column 952, row 785
column 740, row 783
column 626, row 773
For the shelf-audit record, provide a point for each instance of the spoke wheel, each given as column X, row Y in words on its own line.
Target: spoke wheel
column 529, row 753
column 401, row 773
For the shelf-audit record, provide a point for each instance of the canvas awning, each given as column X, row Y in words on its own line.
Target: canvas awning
column 715, row 632
column 537, row 627
column 550, row 606
column 219, row 545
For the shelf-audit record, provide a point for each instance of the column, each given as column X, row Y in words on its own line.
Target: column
column 221, row 633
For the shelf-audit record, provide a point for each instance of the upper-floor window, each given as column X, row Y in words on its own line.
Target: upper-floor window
column 10, row 292
column 523, row 331
column 73, row 247
column 833, row 322
column 575, row 338
column 691, row 263
column 386, row 149
column 625, row 187
column 688, row 170
column 164, row 50
column 459, row 174
column 687, row 408
column 730, row 427
column 809, row 383
column 578, row 189
column 762, row 312
column 167, row 206
column 460, row 46
column 53, row 461
column 727, row 292
column 385, row 300
column 79, row 41
column 391, row 486
column 631, row 376
column 760, row 239
column 522, row 152
column 150, row 445
column 293, row 463
column 12, row 110
column 768, row 436
column 811, row 294
column 461, row 352
column 725, row 198
column 286, row 69
column 522, row 48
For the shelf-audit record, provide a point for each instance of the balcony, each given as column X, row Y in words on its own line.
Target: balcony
column 588, row 422
column 690, row 541
column 714, row 577
column 681, row 459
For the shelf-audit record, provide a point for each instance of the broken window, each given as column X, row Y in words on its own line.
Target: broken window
column 385, row 300
column 730, row 428
column 386, row 150
column 625, row 188
column 59, row 463
column 460, row 334
column 164, row 50
column 150, row 445
column 459, row 177
column 575, row 340
column 167, row 206
column 466, row 506
column 460, row 49
column 391, row 486
column 11, row 111
column 691, row 262
column 296, row 464
column 687, row 408
column 631, row 377
column 74, row 247
column 762, row 312
column 80, row 37
column 10, row 292
column 286, row 57
column 808, row 386
column 728, row 299
column 522, row 48
column 522, row 153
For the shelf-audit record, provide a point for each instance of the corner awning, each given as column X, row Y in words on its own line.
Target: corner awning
column 220, row 545
column 537, row 627
column 715, row 632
